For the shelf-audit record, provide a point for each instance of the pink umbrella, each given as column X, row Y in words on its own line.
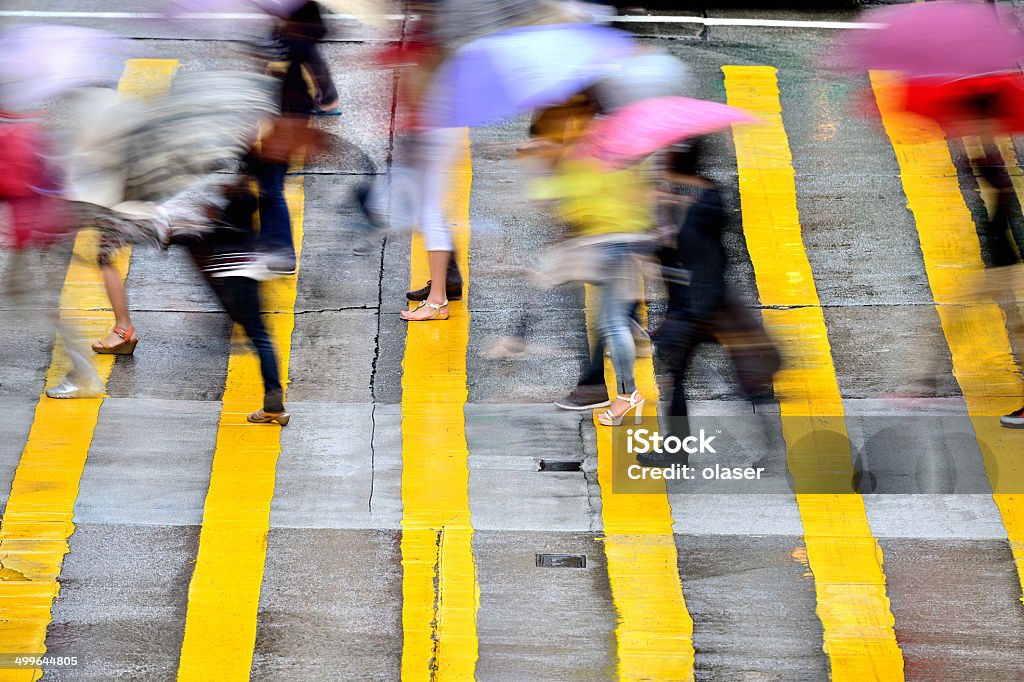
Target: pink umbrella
column 936, row 39
column 643, row 128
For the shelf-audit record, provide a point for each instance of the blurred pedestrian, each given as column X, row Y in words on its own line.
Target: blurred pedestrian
column 610, row 214
column 414, row 191
column 299, row 33
column 228, row 260
column 36, row 227
column 286, row 141
column 701, row 308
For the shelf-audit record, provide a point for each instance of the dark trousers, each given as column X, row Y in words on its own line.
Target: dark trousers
column 240, row 297
column 998, row 229
column 326, row 93
column 753, row 355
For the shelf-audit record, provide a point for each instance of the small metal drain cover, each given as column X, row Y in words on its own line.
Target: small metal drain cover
column 560, row 465
column 561, row 561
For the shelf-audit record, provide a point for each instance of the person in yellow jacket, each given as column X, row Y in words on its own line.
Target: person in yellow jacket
column 610, row 213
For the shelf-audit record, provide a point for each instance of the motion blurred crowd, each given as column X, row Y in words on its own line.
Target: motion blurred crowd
column 614, row 151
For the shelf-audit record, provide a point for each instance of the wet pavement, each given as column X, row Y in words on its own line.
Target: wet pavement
column 372, row 559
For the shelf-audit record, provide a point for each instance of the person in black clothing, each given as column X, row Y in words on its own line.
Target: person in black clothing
column 299, row 33
column 226, row 258
column 701, row 308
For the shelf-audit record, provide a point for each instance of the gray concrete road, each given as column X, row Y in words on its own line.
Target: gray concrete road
column 335, row 599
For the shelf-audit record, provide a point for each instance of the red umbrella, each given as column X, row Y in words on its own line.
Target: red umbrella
column 980, row 105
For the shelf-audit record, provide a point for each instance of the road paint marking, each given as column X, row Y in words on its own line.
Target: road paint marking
column 976, row 333
column 654, row 634
column 224, row 593
column 38, row 519
column 842, row 552
column 626, row 19
column 440, row 595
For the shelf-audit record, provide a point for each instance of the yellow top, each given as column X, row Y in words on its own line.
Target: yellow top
column 595, row 200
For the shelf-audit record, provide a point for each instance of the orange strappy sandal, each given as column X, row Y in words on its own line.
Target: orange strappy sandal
column 126, row 347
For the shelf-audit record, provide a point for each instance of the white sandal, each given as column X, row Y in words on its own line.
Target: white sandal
column 608, row 418
column 438, row 315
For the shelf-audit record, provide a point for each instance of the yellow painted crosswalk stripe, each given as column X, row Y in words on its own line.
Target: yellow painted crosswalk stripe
column 844, row 557
column 440, row 595
column 37, row 521
column 654, row 634
column 976, row 332
column 224, row 594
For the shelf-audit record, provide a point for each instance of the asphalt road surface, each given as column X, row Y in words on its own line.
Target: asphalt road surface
column 394, row 528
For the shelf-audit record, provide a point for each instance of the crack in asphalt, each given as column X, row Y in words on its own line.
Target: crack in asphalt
column 380, row 289
column 334, row 310
column 373, row 376
column 590, row 477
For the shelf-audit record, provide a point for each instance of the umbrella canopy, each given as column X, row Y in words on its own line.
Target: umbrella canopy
column 951, row 39
column 38, row 63
column 645, row 127
column 980, row 105
column 452, row 22
column 642, row 76
column 175, row 8
column 504, row 74
column 123, row 150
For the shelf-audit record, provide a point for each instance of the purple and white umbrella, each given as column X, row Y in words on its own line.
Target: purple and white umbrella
column 38, row 63
column 504, row 74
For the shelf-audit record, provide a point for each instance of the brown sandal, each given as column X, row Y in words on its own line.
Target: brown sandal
column 126, row 347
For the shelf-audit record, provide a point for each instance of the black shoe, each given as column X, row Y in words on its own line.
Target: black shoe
column 662, row 460
column 453, row 290
column 1014, row 420
column 585, row 397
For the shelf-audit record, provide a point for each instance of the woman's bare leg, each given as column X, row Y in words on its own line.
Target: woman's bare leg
column 438, row 268
column 114, row 285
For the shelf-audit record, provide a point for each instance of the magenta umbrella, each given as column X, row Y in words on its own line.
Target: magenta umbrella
column 936, row 39
column 643, row 128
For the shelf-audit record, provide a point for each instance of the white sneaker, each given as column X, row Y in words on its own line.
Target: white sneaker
column 69, row 389
column 1014, row 420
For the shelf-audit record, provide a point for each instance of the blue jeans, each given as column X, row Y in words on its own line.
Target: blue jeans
column 275, row 222
column 617, row 289
column 240, row 297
